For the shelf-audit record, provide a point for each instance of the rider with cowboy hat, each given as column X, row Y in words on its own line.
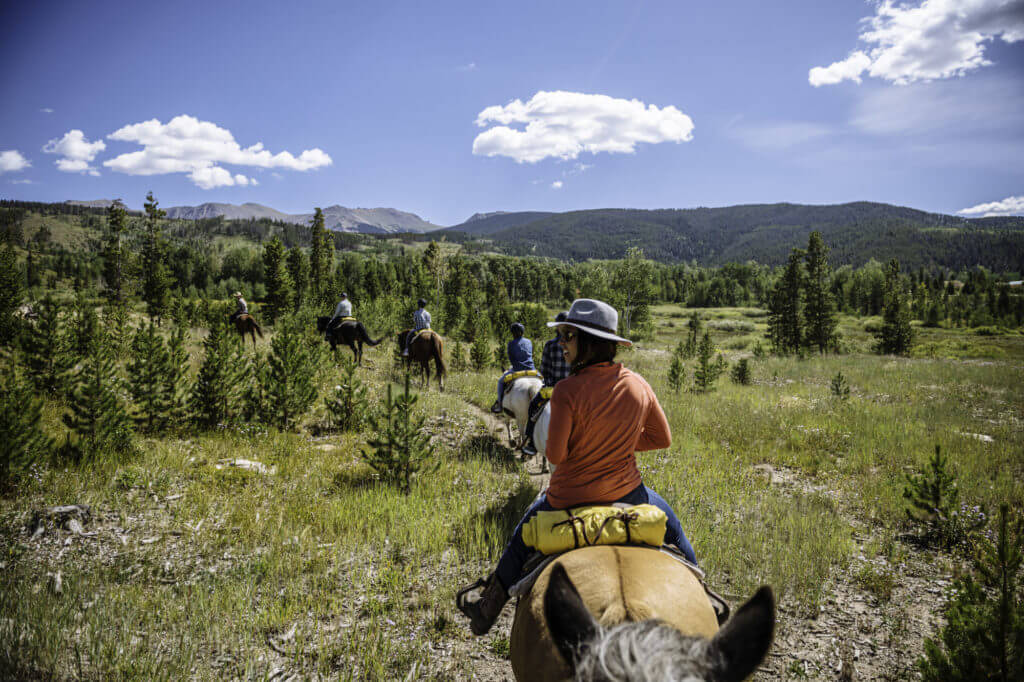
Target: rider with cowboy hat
column 241, row 308
column 420, row 320
column 601, row 414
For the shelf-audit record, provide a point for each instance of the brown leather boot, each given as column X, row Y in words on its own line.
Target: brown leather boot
column 484, row 611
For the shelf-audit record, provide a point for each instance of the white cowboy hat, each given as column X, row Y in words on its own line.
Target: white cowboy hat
column 594, row 317
column 237, row 294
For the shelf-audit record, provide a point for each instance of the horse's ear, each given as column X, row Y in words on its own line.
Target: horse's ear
column 741, row 645
column 569, row 622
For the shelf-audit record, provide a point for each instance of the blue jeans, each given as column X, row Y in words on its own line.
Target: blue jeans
column 510, row 565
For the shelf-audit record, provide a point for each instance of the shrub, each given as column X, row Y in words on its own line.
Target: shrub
column 402, row 447
column 732, row 325
column 983, row 638
column 741, row 372
column 676, row 373
column 759, row 351
column 707, row 372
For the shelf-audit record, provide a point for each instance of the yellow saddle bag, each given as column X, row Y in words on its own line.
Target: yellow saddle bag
column 552, row 532
column 520, row 374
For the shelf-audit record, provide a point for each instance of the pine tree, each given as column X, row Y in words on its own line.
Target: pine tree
column 156, row 279
column 896, row 337
column 840, row 387
column 83, row 326
column 97, row 415
column 115, row 252
column 820, row 307
column 48, row 349
column 215, row 395
column 298, row 270
column 117, row 325
column 741, row 372
column 255, row 399
column 933, row 496
column 348, row 407
column 785, row 307
column 148, row 368
column 176, row 381
column 22, row 441
column 693, row 327
column 676, row 373
column 12, row 291
column 983, row 638
column 292, row 371
column 707, row 372
column 321, row 259
column 402, row 446
column 279, row 283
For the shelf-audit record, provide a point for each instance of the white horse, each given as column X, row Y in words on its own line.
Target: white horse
column 515, row 403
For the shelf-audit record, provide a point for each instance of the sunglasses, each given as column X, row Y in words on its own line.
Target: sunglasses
column 567, row 336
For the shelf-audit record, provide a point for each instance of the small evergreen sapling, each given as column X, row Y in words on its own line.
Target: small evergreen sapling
column 402, row 447
column 741, row 372
column 348, row 407
column 22, row 441
column 215, row 395
column 149, row 365
column 933, row 495
column 48, row 349
column 676, row 373
column 707, row 371
column 840, row 387
column 983, row 638
column 292, row 372
column 480, row 353
column 98, row 416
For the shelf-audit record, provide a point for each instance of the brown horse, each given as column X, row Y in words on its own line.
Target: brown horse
column 632, row 613
column 246, row 324
column 425, row 347
column 351, row 333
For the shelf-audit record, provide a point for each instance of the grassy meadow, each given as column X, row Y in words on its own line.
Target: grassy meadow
column 319, row 570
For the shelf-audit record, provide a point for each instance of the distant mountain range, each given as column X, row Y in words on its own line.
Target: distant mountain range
column 339, row 218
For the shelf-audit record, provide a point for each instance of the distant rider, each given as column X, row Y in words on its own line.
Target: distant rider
column 553, row 365
column 520, row 354
column 241, row 308
column 420, row 320
column 343, row 309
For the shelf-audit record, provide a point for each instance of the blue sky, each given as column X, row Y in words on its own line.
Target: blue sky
column 448, row 108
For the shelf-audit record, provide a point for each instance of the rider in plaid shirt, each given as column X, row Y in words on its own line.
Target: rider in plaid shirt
column 553, row 366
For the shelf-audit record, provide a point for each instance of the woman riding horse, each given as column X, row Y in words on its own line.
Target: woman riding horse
column 600, row 416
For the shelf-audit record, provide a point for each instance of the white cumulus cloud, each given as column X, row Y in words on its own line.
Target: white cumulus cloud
column 1008, row 206
column 931, row 40
column 76, row 152
column 12, row 161
column 557, row 184
column 187, row 145
column 563, row 125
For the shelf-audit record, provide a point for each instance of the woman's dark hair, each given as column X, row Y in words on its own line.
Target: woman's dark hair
column 591, row 350
column 422, row 303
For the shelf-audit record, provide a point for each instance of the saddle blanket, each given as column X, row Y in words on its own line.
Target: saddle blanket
column 521, row 374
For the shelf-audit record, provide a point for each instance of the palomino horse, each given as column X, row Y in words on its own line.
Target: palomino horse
column 246, row 324
column 633, row 613
column 352, row 333
column 425, row 347
column 515, row 403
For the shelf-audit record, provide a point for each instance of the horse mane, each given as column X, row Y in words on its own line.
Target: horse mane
column 648, row 651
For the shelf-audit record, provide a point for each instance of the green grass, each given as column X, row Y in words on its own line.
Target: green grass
column 366, row 576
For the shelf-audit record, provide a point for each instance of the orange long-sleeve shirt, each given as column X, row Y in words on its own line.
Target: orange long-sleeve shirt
column 599, row 418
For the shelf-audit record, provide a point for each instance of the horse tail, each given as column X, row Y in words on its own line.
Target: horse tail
column 258, row 330
column 365, row 335
column 439, row 354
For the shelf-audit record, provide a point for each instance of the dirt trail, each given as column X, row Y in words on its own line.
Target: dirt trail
column 497, row 427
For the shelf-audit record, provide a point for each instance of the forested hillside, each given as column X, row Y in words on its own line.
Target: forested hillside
column 856, row 233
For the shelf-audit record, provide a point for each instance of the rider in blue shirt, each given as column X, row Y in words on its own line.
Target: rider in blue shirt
column 520, row 354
